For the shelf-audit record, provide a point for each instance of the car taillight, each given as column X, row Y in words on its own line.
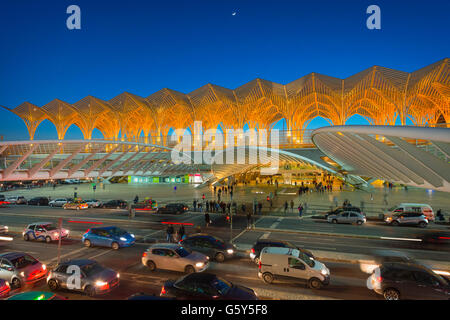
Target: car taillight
column 379, row 279
column 252, row 250
column 144, row 254
column 259, row 265
column 163, row 290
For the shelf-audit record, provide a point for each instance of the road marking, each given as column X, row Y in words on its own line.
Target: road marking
column 276, row 223
column 101, row 254
column 404, row 239
column 66, row 255
column 265, row 235
column 240, row 234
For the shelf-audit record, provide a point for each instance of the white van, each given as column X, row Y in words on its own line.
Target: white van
column 288, row 263
column 423, row 208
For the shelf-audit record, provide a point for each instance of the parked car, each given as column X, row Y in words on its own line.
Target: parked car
column 171, row 209
column 171, row 256
column 291, row 264
column 36, row 295
column 211, row 246
column 21, row 269
column 339, row 210
column 407, row 218
column 5, row 288
column 115, row 204
column 4, row 229
column 395, row 281
column 92, row 203
column 58, row 202
column 17, row 200
column 95, row 279
column 206, row 286
column 260, row 244
column 38, row 201
column 112, row 237
column 351, row 217
column 423, row 208
column 44, row 231
column 180, row 206
column 76, row 205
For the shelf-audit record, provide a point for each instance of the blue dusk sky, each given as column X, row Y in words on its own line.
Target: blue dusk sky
column 144, row 46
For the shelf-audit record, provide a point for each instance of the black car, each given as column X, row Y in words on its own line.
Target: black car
column 115, row 204
column 255, row 251
column 213, row 247
column 205, row 286
column 173, row 208
column 38, row 201
column 410, row 281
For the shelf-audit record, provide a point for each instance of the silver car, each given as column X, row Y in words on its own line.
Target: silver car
column 58, row 202
column 21, row 269
column 94, row 278
column 407, row 218
column 172, row 256
column 92, row 203
column 347, row 217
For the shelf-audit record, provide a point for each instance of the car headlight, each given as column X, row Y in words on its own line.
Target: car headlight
column 199, row 264
column 132, row 235
column 44, row 267
column 7, row 284
column 118, row 275
column 6, row 227
column 123, row 239
column 101, row 283
column 230, row 251
column 22, row 274
column 324, row 272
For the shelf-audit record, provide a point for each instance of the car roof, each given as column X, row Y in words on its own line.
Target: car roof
column 201, row 276
column 79, row 262
column 406, row 266
column 165, row 246
column 41, row 223
column 280, row 250
column 414, row 204
column 12, row 255
column 104, row 228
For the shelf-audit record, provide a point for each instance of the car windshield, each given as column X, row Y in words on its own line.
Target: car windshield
column 221, row 285
column 23, row 261
column 183, row 252
column 117, row 232
column 91, row 269
column 49, row 227
column 306, row 259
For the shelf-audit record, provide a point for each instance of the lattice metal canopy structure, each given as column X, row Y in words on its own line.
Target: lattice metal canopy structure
column 409, row 155
column 379, row 94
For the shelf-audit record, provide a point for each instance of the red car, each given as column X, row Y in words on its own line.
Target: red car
column 5, row 288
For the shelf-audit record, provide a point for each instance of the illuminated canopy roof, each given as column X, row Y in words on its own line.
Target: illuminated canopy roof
column 379, row 94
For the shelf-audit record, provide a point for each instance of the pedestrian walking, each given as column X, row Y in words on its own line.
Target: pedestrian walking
column 169, row 232
column 136, row 199
column 195, row 205
column 259, row 208
column 181, row 232
column 249, row 220
column 292, row 206
column 207, row 219
column 285, row 207
column 300, row 210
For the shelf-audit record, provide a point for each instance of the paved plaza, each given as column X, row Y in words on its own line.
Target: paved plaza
column 373, row 201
